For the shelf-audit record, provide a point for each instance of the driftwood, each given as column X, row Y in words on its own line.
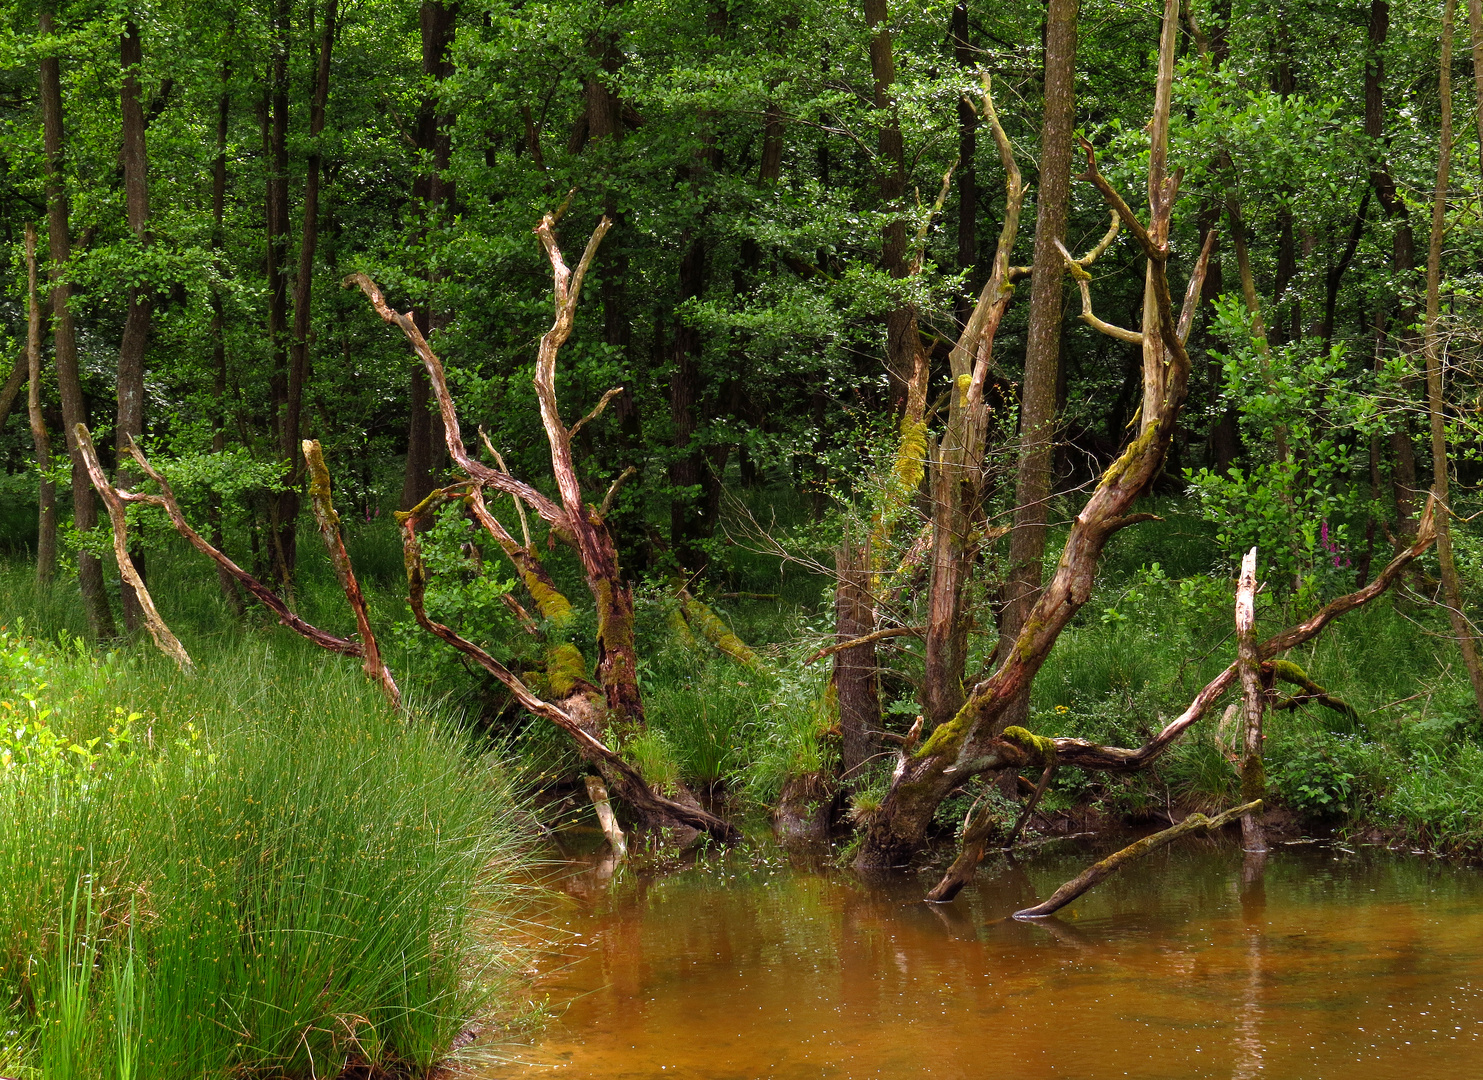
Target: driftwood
column 1085, row 755
column 329, row 528
column 116, row 500
column 1253, row 702
column 1195, row 824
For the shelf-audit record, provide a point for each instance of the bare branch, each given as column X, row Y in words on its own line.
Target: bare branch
column 548, row 510
column 115, row 499
column 613, row 488
column 866, row 639
column 329, row 528
column 1193, row 289
column 1083, row 282
column 166, row 501
column 593, row 415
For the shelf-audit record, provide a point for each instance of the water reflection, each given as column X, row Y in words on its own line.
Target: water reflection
column 1197, row 962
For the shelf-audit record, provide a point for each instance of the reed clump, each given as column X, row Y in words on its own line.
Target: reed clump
column 259, row 870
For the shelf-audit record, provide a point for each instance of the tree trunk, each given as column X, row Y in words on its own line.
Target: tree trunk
column 967, row 175
column 64, row 335
column 856, row 681
column 1253, row 701
column 687, row 473
column 141, row 306
column 46, row 531
column 901, row 322
column 1451, row 585
column 1043, row 338
column 435, row 141
column 229, row 589
column 285, row 506
column 290, row 446
column 1403, row 261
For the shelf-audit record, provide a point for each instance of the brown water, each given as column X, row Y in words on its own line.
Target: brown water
column 1193, row 963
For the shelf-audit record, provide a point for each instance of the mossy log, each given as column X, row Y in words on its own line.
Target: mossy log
column 1098, row 872
column 699, row 618
column 1289, row 672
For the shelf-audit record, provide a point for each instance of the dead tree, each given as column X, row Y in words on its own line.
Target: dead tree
column 969, row 743
column 585, row 712
column 118, row 500
column 1018, row 748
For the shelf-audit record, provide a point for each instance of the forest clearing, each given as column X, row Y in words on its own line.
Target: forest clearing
column 741, row 539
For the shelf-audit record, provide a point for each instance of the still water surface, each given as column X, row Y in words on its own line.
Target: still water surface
column 1196, row 962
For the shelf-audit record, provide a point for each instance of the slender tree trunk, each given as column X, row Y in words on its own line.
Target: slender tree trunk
column 285, row 506
column 856, row 681
column 1253, row 701
column 141, row 306
column 902, row 344
column 290, row 446
column 228, row 583
column 1451, row 585
column 434, row 139
column 1403, row 261
column 687, row 472
column 1043, row 339
column 967, row 175
column 46, row 531
column 64, row 334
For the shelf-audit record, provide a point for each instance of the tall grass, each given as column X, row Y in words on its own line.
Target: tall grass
column 259, row 870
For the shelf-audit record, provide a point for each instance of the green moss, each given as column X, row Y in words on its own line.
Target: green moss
column 549, row 602
column 1040, row 750
column 565, row 667
column 1253, row 778
column 1289, row 672
column 948, row 737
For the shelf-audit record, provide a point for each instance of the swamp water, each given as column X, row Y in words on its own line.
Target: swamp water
column 1195, row 962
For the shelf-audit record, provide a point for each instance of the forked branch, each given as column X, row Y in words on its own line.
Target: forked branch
column 115, row 499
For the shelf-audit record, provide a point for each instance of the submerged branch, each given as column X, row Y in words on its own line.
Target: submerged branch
column 1101, row 871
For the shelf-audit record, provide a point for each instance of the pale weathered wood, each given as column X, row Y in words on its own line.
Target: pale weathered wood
column 1253, row 702
column 166, row 641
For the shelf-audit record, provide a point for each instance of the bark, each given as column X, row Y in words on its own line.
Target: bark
column 1475, row 25
column 434, row 141
column 285, row 506
column 1043, row 337
column 46, row 531
column 902, row 339
column 1253, row 702
column 64, row 335
column 329, row 528
column 115, row 500
column 856, row 679
column 1433, row 345
column 290, row 441
column 12, row 388
column 1194, row 825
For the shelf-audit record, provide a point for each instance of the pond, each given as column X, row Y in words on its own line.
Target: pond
column 1323, row 960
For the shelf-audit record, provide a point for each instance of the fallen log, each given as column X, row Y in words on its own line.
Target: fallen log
column 1098, row 872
